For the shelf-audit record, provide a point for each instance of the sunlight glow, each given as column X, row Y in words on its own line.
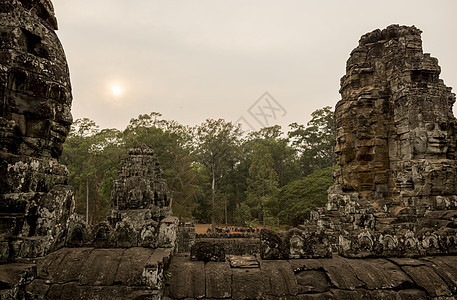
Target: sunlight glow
column 116, row 90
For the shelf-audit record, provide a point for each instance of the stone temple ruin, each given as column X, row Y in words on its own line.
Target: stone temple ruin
column 139, row 201
column 140, row 215
column 395, row 192
column 388, row 230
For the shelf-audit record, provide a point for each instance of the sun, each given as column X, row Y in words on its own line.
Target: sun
column 116, row 90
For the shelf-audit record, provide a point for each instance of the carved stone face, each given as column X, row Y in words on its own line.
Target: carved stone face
column 431, row 138
column 35, row 83
column 344, row 148
column 296, row 246
column 437, row 137
column 339, row 144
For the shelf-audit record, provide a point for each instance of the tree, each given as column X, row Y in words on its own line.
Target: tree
column 83, row 128
column 217, row 144
column 242, row 214
column 298, row 198
column 92, row 157
column 315, row 142
column 262, row 181
column 283, row 155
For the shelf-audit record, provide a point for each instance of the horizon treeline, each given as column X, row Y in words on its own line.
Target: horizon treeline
column 215, row 172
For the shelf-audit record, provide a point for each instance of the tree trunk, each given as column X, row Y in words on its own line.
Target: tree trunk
column 263, row 218
column 225, row 210
column 213, row 200
column 87, row 200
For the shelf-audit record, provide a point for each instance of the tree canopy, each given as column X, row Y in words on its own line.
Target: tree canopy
column 215, row 172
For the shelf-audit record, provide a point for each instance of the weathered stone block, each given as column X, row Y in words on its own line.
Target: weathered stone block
column 187, row 279
column 279, row 279
column 218, row 276
column 303, row 242
column 427, row 279
column 167, row 232
column 272, row 245
column 312, row 281
column 154, row 270
column 245, row 261
column 207, row 251
column 243, row 281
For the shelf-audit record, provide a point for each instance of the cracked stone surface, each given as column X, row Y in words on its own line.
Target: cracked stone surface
column 89, row 273
column 325, row 278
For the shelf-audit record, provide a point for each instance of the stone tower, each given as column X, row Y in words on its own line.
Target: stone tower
column 396, row 137
column 140, row 184
column 140, row 212
column 395, row 140
column 35, row 118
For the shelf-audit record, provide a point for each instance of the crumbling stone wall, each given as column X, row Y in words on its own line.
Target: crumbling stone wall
column 35, row 117
column 325, row 278
column 216, row 248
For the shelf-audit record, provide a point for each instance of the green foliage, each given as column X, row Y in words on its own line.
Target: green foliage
column 242, row 215
column 92, row 158
column 299, row 197
column 316, row 141
column 284, row 156
column 217, row 146
column 217, row 142
column 213, row 172
column 262, row 182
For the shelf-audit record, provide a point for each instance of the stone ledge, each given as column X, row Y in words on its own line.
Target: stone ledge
column 324, row 278
column 88, row 273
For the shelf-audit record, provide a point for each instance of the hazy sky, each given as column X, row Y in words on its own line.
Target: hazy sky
column 196, row 59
